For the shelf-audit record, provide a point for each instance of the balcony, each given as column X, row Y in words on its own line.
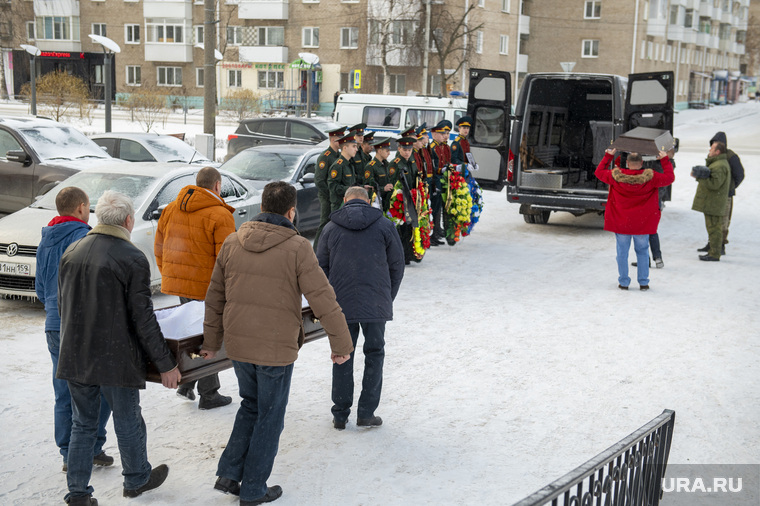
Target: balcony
column 263, row 9
column 724, row 45
column 264, row 54
column 167, row 9
column 159, row 51
column 675, row 32
column 739, row 48
column 65, row 9
column 689, row 36
column 703, row 39
column 707, row 10
column 524, row 25
column 725, row 17
column 656, row 27
column 522, row 63
column 714, row 42
column 59, row 46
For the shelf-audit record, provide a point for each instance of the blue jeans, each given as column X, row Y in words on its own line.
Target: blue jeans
column 372, row 382
column 252, row 447
column 640, row 245
column 62, row 410
column 130, row 431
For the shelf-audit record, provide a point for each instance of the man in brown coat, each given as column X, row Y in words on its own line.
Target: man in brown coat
column 189, row 235
column 254, row 305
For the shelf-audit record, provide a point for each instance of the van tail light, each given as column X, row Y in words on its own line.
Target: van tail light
column 510, row 167
column 231, row 136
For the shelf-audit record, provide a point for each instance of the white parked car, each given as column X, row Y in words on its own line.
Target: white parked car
column 150, row 147
column 152, row 186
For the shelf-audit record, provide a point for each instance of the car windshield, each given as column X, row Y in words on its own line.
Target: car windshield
column 61, row 142
column 172, row 149
column 325, row 126
column 96, row 183
column 263, row 165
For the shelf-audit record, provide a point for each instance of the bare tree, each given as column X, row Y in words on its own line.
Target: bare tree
column 393, row 29
column 59, row 94
column 752, row 46
column 451, row 39
column 147, row 105
column 241, row 104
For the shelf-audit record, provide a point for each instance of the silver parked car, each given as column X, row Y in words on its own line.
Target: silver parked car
column 152, row 186
column 150, row 147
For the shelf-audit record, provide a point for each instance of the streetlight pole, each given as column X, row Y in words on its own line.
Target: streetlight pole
column 109, row 48
column 34, row 51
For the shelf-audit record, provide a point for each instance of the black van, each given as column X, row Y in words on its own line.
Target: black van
column 561, row 126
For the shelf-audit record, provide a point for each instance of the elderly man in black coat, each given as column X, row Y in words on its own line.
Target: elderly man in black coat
column 109, row 333
column 361, row 254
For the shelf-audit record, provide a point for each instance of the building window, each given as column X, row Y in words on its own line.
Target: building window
column 271, row 79
column 170, row 76
column 593, row 9
column 97, row 71
column 235, row 35
column 503, row 44
column 398, row 83
column 132, row 34
column 688, row 19
column 481, row 3
column 133, row 75
column 403, row 31
column 590, row 49
column 99, row 29
column 505, row 5
column 674, row 15
column 166, row 31
column 199, row 77
column 437, row 36
column 310, row 37
column 271, row 35
column 234, row 78
column 344, row 78
column 30, row 30
column 349, row 38
column 479, row 43
column 198, row 33
column 57, row 28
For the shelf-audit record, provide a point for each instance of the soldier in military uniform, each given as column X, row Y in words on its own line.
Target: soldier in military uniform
column 324, row 162
column 360, row 159
column 441, row 156
column 403, row 167
column 461, row 146
column 342, row 174
column 380, row 176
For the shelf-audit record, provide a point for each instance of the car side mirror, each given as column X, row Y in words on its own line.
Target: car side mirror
column 17, row 155
column 47, row 188
column 307, row 178
column 156, row 213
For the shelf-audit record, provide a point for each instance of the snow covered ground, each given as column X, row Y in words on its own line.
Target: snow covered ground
column 512, row 359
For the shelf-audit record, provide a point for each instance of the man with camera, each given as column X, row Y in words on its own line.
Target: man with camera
column 712, row 193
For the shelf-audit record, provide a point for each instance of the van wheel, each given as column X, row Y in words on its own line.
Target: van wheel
column 542, row 218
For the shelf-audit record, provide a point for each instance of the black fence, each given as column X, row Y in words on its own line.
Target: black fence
column 629, row 473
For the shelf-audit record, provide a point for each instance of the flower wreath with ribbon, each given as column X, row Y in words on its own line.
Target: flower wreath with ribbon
column 421, row 233
column 457, row 205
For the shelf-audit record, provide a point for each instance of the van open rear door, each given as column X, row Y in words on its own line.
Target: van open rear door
column 490, row 105
column 649, row 101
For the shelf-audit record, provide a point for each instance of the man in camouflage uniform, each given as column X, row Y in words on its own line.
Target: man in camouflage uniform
column 324, row 162
column 342, row 175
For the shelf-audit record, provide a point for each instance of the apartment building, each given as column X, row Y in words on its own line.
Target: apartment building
column 701, row 41
column 162, row 42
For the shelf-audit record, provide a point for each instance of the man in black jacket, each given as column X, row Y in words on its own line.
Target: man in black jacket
column 108, row 334
column 362, row 256
column 736, row 178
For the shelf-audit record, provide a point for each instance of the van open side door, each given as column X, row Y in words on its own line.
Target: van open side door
column 649, row 101
column 489, row 104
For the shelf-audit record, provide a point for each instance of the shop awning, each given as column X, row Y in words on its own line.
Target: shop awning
column 701, row 74
column 300, row 64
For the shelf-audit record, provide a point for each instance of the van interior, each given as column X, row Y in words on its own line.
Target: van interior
column 566, row 128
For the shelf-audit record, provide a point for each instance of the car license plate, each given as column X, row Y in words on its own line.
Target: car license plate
column 15, row 269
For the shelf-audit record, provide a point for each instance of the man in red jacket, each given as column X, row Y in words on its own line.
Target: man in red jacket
column 633, row 210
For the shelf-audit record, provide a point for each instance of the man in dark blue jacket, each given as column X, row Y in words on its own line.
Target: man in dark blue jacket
column 361, row 254
column 69, row 226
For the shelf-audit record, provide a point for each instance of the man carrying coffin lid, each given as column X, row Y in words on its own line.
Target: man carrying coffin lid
column 254, row 306
column 324, row 162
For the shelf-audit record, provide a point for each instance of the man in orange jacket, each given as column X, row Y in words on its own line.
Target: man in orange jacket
column 190, row 234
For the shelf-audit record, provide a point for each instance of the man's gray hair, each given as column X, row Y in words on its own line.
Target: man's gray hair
column 113, row 208
column 357, row 192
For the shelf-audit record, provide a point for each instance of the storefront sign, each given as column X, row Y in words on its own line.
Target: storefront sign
column 56, row 54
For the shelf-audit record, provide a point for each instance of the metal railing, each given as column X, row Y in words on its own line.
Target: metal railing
column 629, row 473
